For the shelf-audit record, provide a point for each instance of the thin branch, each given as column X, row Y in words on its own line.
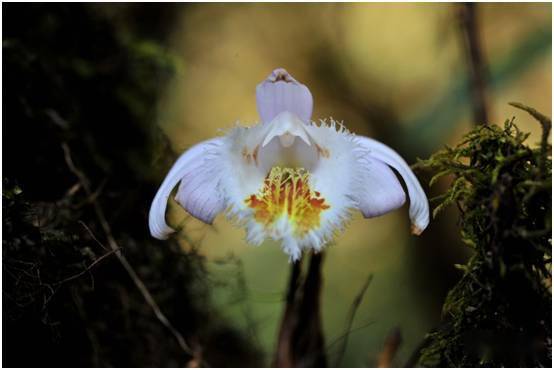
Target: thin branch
column 476, row 61
column 116, row 249
column 90, row 199
column 546, row 124
column 344, row 334
column 350, row 319
column 88, row 268
column 92, row 235
column 544, row 120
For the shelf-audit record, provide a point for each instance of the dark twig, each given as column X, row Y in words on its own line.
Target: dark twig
column 294, row 281
column 88, row 268
column 392, row 343
column 350, row 331
column 350, row 319
column 309, row 340
column 92, row 235
column 475, row 60
column 93, row 196
column 116, row 249
column 300, row 342
column 283, row 355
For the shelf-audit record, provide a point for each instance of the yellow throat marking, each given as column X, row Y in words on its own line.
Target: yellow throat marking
column 286, row 193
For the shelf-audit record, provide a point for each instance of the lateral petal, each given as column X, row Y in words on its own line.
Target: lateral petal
column 381, row 191
column 199, row 194
column 419, row 205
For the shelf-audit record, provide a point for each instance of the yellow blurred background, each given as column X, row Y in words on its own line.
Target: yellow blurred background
column 395, row 72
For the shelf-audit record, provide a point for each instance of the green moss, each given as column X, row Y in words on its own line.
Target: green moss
column 499, row 313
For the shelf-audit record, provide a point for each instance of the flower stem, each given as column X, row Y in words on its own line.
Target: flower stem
column 300, row 342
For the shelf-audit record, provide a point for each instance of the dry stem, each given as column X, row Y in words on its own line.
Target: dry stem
column 116, row 249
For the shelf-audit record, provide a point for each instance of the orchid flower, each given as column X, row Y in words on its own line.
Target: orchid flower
column 288, row 178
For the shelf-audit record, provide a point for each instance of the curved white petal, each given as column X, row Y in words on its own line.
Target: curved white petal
column 280, row 92
column 381, row 191
column 197, row 169
column 419, row 205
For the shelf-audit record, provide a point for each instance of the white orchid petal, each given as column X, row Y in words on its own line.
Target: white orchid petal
column 419, row 205
column 281, row 92
column 198, row 192
column 381, row 192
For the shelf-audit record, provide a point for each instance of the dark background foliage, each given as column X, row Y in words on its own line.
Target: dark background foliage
column 73, row 79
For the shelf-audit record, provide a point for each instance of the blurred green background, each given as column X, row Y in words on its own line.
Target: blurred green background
column 395, row 72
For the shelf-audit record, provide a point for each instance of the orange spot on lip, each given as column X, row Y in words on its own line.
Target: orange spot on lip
column 286, row 192
column 250, row 157
column 324, row 152
column 255, row 154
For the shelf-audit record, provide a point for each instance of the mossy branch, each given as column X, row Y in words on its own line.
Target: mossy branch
column 504, row 190
column 546, row 124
